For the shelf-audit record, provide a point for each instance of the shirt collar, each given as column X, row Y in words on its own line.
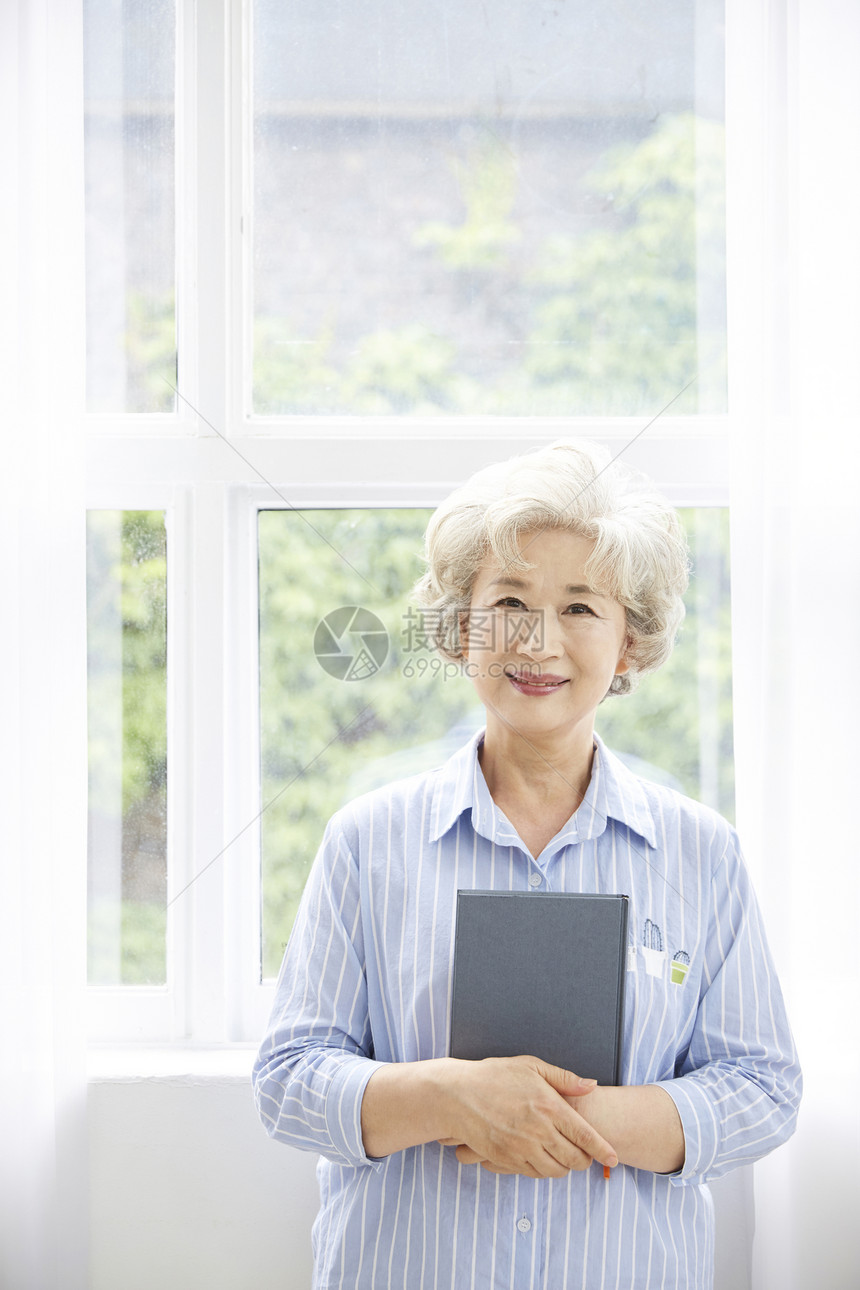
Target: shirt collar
column 457, row 787
column 613, row 793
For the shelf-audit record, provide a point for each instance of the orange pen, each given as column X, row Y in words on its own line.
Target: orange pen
column 606, row 1171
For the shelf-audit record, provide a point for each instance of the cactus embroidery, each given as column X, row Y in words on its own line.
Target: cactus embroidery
column 653, row 938
column 680, row 966
column 652, row 950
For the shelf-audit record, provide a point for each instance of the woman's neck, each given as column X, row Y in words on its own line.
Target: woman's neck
column 547, row 774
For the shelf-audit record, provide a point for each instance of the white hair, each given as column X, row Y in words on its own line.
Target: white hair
column 639, row 558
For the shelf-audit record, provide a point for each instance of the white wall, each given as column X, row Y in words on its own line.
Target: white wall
column 187, row 1191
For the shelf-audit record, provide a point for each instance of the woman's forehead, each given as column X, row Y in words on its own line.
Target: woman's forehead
column 557, row 553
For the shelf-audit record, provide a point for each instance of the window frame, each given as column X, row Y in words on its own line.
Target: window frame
column 205, row 466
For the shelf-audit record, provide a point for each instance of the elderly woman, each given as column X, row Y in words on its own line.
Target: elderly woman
column 556, row 578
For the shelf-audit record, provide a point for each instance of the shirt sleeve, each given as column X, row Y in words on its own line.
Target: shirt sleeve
column 739, row 1083
column 316, row 1057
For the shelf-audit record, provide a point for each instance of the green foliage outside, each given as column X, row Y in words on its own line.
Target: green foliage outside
column 324, row 740
column 680, row 718
column 488, row 233
column 614, row 320
column 127, row 718
column 317, row 731
column 618, row 322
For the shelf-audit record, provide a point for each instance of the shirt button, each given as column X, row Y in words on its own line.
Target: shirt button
column 524, row 1225
column 535, row 880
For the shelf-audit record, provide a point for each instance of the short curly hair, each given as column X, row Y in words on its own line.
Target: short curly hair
column 640, row 554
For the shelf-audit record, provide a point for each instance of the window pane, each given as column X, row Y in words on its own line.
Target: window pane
column 335, row 725
column 513, row 208
column 680, row 718
column 127, row 686
column 129, row 55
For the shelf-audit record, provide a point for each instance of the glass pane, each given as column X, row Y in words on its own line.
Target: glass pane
column 129, row 55
column 349, row 703
column 127, row 706
column 513, row 208
column 678, row 722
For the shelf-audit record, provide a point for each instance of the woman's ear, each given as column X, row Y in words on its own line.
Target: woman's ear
column 623, row 664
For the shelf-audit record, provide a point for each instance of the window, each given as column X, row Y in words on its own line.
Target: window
column 511, row 211
column 366, row 277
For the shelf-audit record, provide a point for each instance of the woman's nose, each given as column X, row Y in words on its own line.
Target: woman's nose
column 538, row 634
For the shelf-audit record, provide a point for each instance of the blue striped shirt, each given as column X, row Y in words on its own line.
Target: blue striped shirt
column 367, row 978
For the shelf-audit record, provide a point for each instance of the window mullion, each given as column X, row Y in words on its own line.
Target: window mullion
column 198, row 898
column 199, row 909
column 242, row 802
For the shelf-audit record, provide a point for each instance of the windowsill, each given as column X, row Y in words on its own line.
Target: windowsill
column 179, row 1064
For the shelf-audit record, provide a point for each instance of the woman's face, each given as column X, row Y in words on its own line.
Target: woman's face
column 542, row 647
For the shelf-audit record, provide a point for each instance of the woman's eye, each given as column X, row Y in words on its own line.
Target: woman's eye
column 580, row 609
column 509, row 602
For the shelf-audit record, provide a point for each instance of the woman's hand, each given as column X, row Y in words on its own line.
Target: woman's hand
column 643, row 1122
column 508, row 1113
column 516, row 1115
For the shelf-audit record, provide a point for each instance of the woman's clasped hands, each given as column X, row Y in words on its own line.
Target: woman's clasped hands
column 516, row 1115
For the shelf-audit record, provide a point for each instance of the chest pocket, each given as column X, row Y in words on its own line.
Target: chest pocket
column 662, row 993
column 662, row 957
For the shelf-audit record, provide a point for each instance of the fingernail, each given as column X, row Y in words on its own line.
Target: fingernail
column 588, row 1083
column 612, row 1161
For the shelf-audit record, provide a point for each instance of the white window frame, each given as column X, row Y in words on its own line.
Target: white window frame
column 212, row 492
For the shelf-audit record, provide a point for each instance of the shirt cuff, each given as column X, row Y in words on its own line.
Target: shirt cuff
column 343, row 1109
column 701, row 1129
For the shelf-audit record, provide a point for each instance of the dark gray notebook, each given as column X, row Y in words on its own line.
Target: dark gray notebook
column 541, row 974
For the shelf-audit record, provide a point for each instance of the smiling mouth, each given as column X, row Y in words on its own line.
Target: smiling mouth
column 536, row 682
